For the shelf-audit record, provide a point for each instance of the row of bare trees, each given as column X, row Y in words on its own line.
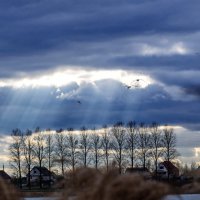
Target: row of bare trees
column 120, row 145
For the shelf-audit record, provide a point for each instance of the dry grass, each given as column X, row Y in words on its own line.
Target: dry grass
column 8, row 192
column 88, row 184
column 192, row 188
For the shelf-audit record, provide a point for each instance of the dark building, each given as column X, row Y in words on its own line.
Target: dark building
column 4, row 175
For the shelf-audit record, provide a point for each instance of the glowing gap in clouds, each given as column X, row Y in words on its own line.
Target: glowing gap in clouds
column 178, row 48
column 63, row 77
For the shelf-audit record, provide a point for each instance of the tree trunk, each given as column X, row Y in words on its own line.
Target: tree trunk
column 40, row 175
column 107, row 161
column 144, row 161
column 62, row 163
column 20, row 176
column 29, row 177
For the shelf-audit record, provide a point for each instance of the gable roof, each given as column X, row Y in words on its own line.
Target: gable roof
column 4, row 175
column 171, row 168
column 44, row 171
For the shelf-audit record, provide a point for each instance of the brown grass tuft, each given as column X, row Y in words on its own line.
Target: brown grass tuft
column 8, row 192
column 192, row 188
column 134, row 188
column 89, row 184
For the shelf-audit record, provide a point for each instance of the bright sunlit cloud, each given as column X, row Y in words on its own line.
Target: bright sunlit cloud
column 197, row 152
column 65, row 76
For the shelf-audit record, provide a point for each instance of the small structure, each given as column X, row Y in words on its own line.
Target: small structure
column 4, row 176
column 144, row 172
column 46, row 176
column 167, row 169
column 195, row 174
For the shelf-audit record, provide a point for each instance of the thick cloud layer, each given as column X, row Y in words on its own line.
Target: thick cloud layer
column 41, row 35
column 157, row 38
column 92, row 104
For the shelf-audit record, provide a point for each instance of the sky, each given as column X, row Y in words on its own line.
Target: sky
column 66, row 64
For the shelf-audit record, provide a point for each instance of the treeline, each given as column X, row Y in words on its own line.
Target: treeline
column 122, row 145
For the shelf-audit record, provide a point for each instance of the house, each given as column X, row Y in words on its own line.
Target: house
column 195, row 174
column 46, row 175
column 4, row 175
column 167, row 169
column 144, row 172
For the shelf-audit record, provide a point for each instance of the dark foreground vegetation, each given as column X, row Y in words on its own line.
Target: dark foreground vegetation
column 91, row 184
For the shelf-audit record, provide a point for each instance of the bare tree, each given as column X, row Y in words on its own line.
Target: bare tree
column 156, row 144
column 61, row 149
column 28, row 152
column 143, row 143
column 169, row 144
column 49, row 151
column 131, row 140
column 16, row 153
column 85, row 147
column 96, row 147
column 72, row 145
column 106, row 146
column 118, row 144
column 39, row 151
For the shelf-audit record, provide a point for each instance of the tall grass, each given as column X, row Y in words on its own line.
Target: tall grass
column 8, row 192
column 89, row 184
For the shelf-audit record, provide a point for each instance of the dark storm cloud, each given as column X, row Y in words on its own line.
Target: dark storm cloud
column 38, row 36
column 193, row 90
column 186, row 80
column 175, row 62
column 77, row 33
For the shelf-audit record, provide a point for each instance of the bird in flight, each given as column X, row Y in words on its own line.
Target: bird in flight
column 128, row 86
column 135, row 84
column 79, row 102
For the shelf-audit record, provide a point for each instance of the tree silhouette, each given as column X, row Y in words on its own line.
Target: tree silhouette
column 49, row 151
column 85, row 147
column 16, row 153
column 28, row 152
column 39, row 151
column 131, row 140
column 143, row 143
column 72, row 145
column 106, row 146
column 118, row 143
column 61, row 149
column 96, row 147
column 156, row 144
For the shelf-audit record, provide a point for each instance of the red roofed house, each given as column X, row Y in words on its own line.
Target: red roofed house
column 166, row 169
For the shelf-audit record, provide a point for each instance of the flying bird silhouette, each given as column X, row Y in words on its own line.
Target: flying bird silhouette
column 138, row 82
column 135, row 84
column 128, row 86
column 79, row 102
